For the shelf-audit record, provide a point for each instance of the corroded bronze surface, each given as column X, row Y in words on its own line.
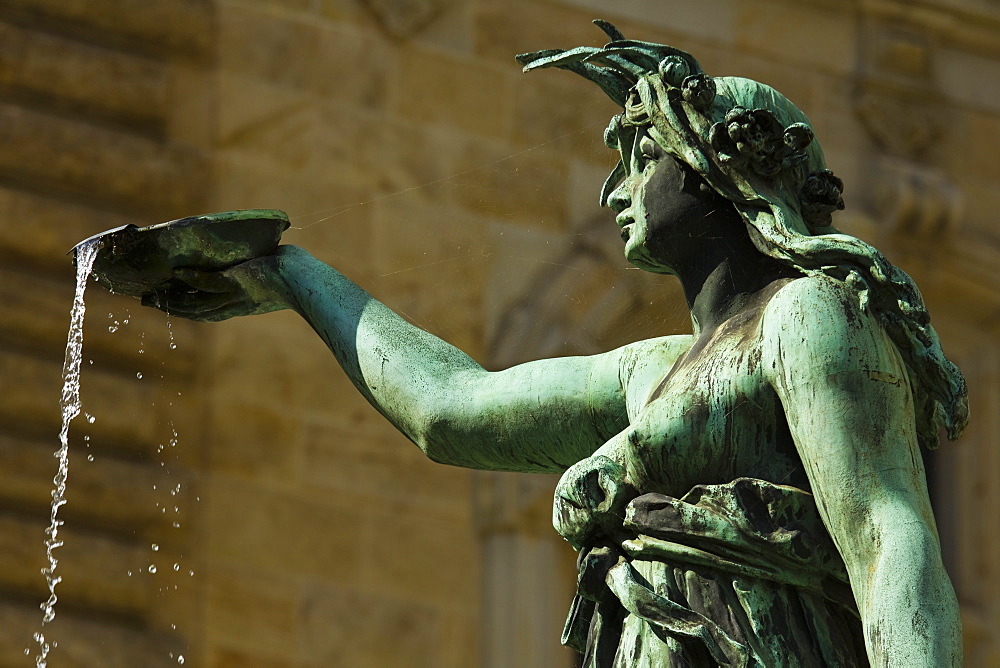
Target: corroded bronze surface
column 136, row 261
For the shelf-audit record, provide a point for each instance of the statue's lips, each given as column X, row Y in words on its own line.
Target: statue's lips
column 624, row 220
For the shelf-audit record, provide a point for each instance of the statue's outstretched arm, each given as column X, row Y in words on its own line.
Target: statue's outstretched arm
column 542, row 416
column 849, row 407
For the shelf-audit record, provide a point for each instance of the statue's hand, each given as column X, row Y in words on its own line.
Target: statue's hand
column 249, row 288
column 590, row 501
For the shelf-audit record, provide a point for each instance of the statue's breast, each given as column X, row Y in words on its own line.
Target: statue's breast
column 712, row 419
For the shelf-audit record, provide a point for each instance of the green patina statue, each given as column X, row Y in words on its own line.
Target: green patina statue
column 752, row 494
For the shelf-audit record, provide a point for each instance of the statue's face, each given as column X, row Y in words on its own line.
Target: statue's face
column 660, row 207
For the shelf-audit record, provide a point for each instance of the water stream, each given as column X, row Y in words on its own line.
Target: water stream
column 70, row 405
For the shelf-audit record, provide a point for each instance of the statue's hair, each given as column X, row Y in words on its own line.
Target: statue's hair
column 754, row 147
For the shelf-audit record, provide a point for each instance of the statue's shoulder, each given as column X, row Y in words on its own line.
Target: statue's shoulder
column 644, row 363
column 815, row 301
column 818, row 322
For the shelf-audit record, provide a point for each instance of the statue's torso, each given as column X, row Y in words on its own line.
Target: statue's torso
column 713, row 417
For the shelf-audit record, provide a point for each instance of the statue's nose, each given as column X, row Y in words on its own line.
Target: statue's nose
column 621, row 197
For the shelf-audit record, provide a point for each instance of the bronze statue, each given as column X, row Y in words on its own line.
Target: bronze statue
column 751, row 494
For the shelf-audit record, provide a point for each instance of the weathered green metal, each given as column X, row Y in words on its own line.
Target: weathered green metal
column 752, row 494
column 136, row 261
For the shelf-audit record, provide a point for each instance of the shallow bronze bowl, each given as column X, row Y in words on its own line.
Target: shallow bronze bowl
column 136, row 261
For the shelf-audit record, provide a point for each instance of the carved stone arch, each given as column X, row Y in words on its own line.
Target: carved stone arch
column 576, row 304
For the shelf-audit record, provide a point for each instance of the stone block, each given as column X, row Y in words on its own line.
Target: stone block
column 972, row 137
column 462, row 636
column 303, row 162
column 509, row 27
column 495, row 181
column 417, row 163
column 84, row 639
column 981, row 199
column 707, row 20
column 811, row 35
column 250, row 36
column 345, row 63
column 448, row 263
column 39, row 231
column 584, row 193
column 34, row 313
column 356, row 67
column 280, row 532
column 351, row 627
column 107, row 492
column 343, row 11
column 100, row 164
column 795, row 82
column 83, row 78
column 250, row 105
column 254, row 439
column 183, row 27
column 30, row 387
column 566, row 115
column 375, row 463
column 95, row 568
column 123, row 408
column 452, row 28
column 301, row 8
column 238, row 657
column 439, row 88
column 415, row 555
column 962, row 76
column 256, row 612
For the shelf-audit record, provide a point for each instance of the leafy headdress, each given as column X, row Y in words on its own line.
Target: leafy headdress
column 757, row 149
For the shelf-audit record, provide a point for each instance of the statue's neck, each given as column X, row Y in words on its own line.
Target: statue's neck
column 724, row 276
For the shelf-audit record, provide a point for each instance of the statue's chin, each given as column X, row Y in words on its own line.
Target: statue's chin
column 638, row 257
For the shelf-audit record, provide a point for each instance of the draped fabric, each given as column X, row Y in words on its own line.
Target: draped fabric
column 741, row 574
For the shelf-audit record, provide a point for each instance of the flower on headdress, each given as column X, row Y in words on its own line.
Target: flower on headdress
column 612, row 132
column 698, row 90
column 821, row 195
column 797, row 136
column 755, row 137
column 673, row 70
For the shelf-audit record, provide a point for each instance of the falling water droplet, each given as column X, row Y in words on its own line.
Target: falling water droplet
column 152, row 568
column 156, row 548
column 138, row 374
column 177, row 567
column 180, row 659
column 90, row 458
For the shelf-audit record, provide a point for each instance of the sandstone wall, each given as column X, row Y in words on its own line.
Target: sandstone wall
column 412, row 154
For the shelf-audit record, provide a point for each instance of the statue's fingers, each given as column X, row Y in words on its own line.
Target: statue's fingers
column 205, row 281
column 187, row 304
